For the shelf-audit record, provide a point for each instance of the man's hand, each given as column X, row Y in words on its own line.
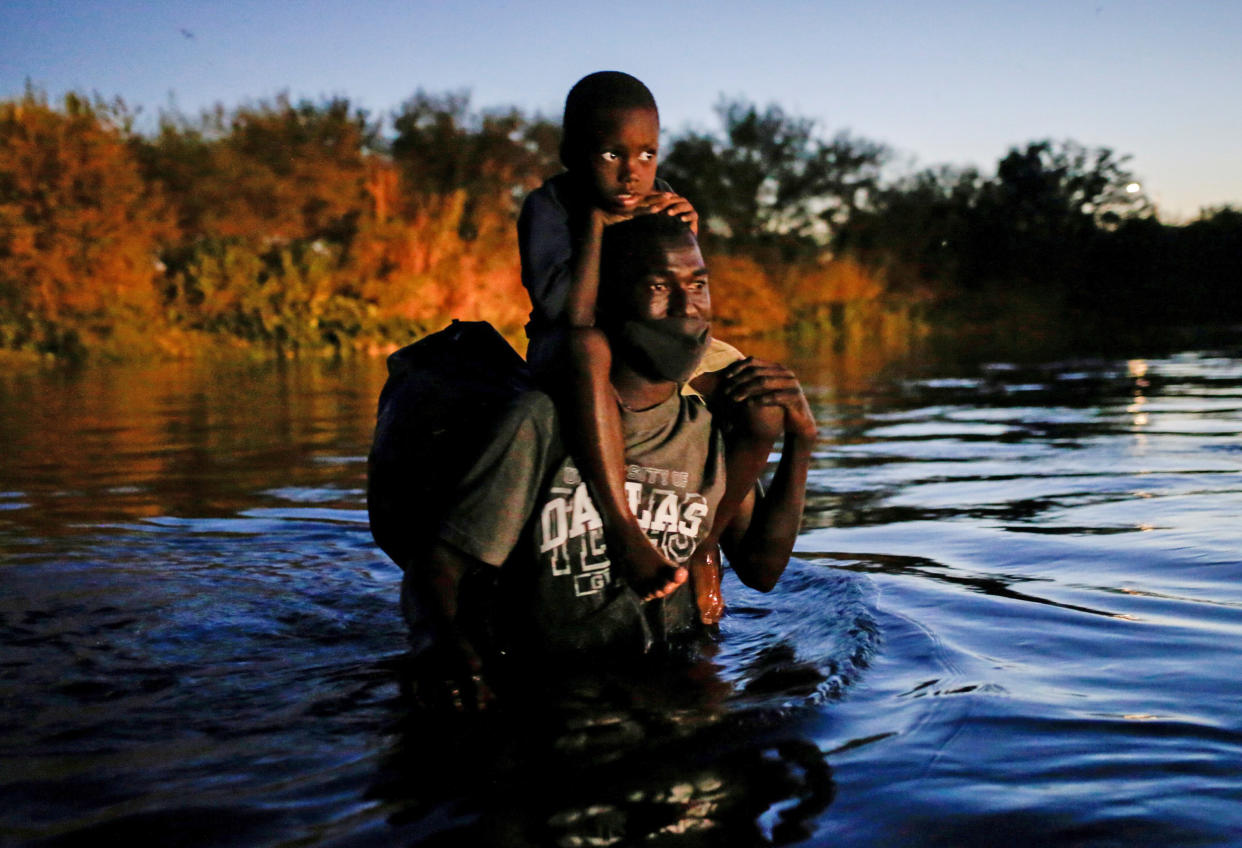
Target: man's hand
column 757, row 382
column 762, row 535
column 450, row 676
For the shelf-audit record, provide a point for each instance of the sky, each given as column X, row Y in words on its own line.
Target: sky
column 939, row 82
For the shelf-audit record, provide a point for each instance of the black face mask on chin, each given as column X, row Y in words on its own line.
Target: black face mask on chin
column 665, row 350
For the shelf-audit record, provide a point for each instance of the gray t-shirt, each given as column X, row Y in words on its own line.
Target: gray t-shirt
column 524, row 507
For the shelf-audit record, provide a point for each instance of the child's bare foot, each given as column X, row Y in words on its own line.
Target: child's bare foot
column 705, row 572
column 648, row 572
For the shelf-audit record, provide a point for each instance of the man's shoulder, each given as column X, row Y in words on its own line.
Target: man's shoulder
column 534, row 407
column 697, row 418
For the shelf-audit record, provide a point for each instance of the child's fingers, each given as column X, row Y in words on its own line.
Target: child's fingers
column 667, row 201
column 679, row 206
column 659, row 201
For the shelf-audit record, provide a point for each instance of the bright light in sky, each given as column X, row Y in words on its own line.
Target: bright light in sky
column 1133, row 188
column 957, row 82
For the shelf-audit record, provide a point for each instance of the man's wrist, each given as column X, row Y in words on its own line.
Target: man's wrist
column 802, row 441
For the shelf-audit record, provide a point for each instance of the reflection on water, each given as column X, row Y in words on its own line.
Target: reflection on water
column 1013, row 620
column 653, row 757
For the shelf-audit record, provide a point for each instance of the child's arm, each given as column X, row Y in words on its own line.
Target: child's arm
column 545, row 244
column 549, row 265
column 584, row 283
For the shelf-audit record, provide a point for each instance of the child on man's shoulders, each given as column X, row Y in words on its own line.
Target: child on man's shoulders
column 610, row 149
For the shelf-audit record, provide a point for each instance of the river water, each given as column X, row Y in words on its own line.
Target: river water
column 1015, row 619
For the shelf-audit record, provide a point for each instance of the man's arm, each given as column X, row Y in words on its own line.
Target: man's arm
column 489, row 508
column 752, row 430
column 762, row 534
column 451, row 670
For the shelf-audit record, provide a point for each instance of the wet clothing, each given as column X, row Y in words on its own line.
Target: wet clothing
column 525, row 508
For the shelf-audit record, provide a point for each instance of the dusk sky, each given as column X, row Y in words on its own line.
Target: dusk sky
column 939, row 82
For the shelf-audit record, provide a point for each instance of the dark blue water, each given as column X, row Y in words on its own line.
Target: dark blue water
column 1015, row 620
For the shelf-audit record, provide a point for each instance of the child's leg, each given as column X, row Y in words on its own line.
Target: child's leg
column 597, row 442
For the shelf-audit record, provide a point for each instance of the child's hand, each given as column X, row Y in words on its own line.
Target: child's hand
column 758, row 383
column 654, row 203
column 672, row 204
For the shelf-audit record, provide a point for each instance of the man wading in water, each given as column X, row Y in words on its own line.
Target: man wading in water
column 518, row 569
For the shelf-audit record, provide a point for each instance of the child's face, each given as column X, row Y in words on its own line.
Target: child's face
column 622, row 161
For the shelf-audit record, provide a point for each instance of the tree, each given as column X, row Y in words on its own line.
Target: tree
column 79, row 230
column 770, row 179
column 1041, row 223
column 1036, row 220
column 495, row 157
column 1067, row 186
column 271, row 170
column 914, row 231
column 1209, row 259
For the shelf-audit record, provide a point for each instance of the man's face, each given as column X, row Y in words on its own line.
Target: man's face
column 670, row 286
column 658, row 314
column 623, row 157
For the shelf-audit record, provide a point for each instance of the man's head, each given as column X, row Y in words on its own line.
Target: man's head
column 654, row 301
column 610, row 138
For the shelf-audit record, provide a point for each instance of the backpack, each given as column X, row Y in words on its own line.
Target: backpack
column 444, row 395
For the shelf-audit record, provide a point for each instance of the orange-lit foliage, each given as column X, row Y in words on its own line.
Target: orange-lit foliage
column 79, row 229
column 442, row 147
column 296, row 226
column 747, row 299
column 266, row 171
column 814, row 288
column 743, row 299
column 303, row 237
column 381, row 186
column 421, row 271
column 292, row 231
